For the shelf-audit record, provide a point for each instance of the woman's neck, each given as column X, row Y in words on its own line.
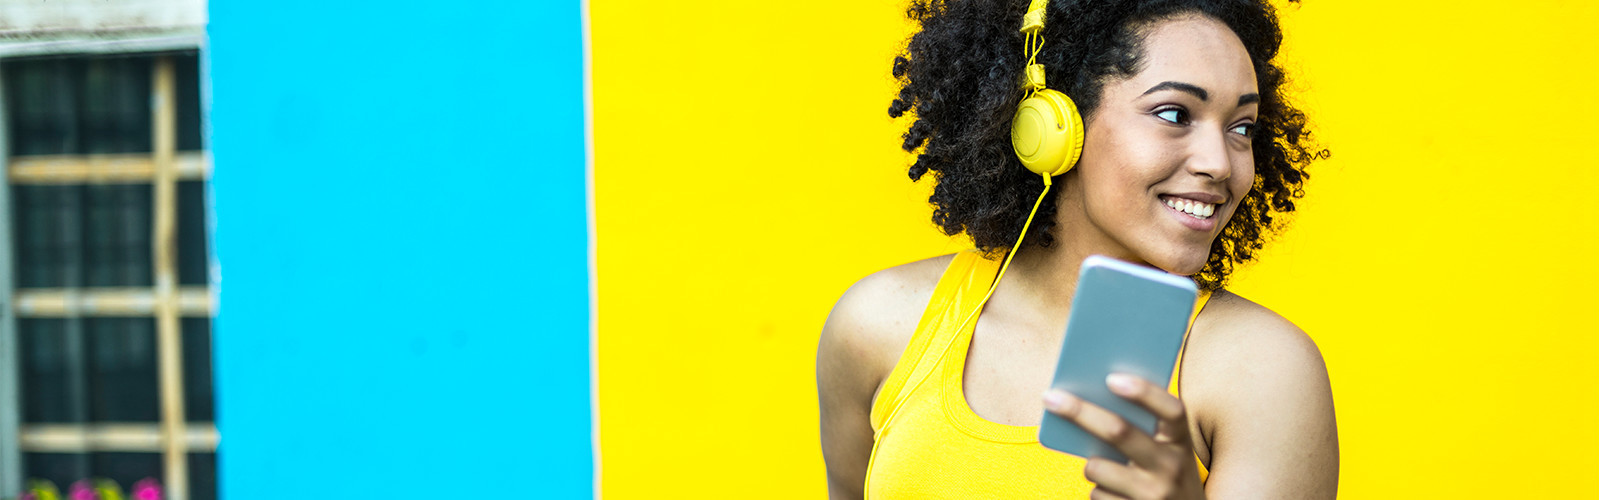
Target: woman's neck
column 1044, row 279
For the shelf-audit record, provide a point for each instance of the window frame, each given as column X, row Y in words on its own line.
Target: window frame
column 165, row 301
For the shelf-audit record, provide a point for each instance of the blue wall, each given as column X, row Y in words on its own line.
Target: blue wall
column 400, row 231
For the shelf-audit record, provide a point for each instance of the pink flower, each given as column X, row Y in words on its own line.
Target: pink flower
column 147, row 489
column 82, row 491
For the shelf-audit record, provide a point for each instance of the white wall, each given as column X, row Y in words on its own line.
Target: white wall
column 28, row 19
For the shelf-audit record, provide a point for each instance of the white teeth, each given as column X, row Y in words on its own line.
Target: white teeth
column 1196, row 209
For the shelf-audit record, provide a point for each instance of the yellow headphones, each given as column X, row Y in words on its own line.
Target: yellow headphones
column 1047, row 131
column 1047, row 134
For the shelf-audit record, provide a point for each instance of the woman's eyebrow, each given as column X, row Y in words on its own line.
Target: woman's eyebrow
column 1201, row 93
column 1179, row 86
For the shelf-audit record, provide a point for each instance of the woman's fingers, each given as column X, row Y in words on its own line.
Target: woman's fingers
column 1103, row 424
column 1174, row 419
column 1103, row 494
column 1157, row 464
column 1116, row 480
column 1162, row 452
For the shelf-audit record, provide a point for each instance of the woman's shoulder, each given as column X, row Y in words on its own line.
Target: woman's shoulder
column 862, row 339
column 875, row 318
column 1246, row 367
column 1233, row 314
column 1233, row 330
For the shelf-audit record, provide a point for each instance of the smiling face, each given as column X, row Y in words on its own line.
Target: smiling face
column 1167, row 154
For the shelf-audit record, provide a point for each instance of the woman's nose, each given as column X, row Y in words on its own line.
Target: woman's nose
column 1209, row 156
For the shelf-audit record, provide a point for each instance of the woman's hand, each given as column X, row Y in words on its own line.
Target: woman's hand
column 1159, row 467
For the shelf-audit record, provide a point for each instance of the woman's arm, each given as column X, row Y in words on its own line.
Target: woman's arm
column 844, row 397
column 1258, row 388
column 1262, row 392
column 866, row 332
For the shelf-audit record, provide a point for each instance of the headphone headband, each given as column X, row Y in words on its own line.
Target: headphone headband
column 1046, row 131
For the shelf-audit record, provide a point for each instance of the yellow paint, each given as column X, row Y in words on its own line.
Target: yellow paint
column 1445, row 260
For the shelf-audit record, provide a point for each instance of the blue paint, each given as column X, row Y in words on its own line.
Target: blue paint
column 400, row 230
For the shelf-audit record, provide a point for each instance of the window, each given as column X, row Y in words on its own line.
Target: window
column 110, row 315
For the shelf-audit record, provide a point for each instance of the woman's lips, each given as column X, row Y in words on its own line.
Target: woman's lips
column 1194, row 214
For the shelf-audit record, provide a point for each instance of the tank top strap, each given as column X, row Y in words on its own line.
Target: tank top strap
column 1177, row 370
column 1199, row 303
column 962, row 286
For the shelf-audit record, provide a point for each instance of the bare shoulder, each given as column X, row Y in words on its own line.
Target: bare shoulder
column 866, row 332
column 1234, row 333
column 1240, row 350
column 874, row 320
column 1258, row 388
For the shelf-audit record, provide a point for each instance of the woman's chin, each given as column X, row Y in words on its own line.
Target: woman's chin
column 1183, row 266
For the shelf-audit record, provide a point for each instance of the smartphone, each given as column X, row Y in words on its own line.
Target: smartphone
column 1125, row 318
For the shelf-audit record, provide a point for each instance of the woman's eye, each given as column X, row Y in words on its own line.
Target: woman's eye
column 1247, row 129
column 1173, row 115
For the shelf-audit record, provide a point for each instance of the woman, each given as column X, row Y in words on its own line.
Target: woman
column 1190, row 150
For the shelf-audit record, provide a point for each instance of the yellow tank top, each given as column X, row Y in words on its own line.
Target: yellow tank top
column 936, row 446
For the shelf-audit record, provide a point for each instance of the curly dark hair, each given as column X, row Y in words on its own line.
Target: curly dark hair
column 959, row 79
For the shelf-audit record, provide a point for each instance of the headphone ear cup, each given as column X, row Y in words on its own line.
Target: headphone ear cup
column 1047, row 133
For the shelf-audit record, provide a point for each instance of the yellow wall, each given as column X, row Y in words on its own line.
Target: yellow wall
column 1445, row 260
